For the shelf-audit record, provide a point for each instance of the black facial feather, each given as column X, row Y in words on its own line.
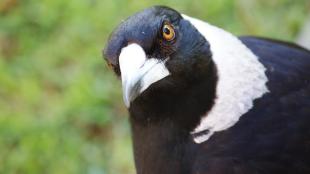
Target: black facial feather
column 143, row 28
column 184, row 50
column 192, row 54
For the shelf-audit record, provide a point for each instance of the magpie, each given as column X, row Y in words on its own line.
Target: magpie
column 203, row 101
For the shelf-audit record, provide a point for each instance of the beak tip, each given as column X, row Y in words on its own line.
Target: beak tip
column 131, row 92
column 127, row 103
column 126, row 97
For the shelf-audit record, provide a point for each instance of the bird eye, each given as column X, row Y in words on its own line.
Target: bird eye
column 168, row 32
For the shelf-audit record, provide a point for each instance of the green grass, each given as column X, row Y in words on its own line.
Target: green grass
column 61, row 110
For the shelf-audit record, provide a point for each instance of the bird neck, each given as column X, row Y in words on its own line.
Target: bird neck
column 162, row 119
column 160, row 148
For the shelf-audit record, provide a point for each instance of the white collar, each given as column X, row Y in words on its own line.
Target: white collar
column 241, row 80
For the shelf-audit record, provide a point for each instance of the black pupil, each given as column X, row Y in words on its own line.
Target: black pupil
column 166, row 30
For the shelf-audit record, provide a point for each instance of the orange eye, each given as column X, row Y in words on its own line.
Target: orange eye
column 168, row 32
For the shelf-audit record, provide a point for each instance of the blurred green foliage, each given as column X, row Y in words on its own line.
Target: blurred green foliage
column 60, row 108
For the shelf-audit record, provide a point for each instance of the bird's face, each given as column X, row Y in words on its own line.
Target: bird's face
column 156, row 48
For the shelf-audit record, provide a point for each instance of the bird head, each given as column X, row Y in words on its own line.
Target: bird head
column 178, row 68
column 157, row 50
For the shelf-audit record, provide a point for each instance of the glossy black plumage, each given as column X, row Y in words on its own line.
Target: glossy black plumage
column 273, row 137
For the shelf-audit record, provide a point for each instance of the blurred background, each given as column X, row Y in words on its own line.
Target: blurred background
column 61, row 109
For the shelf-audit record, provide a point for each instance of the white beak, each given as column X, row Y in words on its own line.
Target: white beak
column 138, row 72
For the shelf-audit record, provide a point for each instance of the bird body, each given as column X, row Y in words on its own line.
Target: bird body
column 202, row 101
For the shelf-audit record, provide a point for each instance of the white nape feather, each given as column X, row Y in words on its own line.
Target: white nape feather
column 241, row 79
